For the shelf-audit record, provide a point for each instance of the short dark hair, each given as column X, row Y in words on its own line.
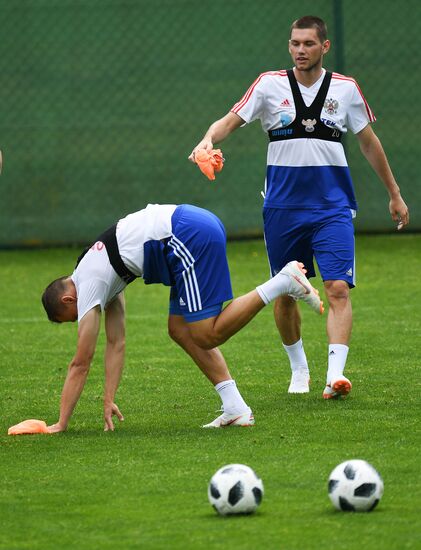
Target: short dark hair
column 51, row 298
column 311, row 22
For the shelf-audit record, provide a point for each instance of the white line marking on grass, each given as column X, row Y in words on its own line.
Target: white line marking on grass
column 24, row 320
column 11, row 320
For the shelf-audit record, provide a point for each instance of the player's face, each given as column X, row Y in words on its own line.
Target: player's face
column 306, row 49
column 68, row 313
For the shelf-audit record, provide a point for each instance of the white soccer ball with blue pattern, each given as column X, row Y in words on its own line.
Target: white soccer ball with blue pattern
column 355, row 486
column 235, row 489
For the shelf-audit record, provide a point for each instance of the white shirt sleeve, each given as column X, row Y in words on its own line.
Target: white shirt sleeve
column 251, row 105
column 96, row 281
column 91, row 293
column 359, row 113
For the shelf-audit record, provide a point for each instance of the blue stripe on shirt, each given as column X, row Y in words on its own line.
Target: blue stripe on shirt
column 309, row 187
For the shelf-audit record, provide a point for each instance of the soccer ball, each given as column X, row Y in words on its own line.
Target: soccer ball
column 235, row 489
column 355, row 486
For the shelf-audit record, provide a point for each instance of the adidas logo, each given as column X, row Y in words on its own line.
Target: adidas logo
column 182, row 302
column 349, row 272
column 285, row 103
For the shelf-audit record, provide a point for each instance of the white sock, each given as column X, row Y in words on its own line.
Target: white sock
column 297, row 356
column 277, row 286
column 231, row 398
column 336, row 361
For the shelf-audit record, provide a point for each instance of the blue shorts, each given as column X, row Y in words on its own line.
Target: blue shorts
column 325, row 234
column 198, row 263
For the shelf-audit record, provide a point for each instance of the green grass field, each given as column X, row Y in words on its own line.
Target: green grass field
column 144, row 486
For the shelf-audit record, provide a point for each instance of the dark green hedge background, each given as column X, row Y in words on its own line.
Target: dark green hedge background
column 101, row 102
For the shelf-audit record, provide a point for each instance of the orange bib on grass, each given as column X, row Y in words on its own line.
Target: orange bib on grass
column 31, row 426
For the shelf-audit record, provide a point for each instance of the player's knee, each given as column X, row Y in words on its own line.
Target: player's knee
column 120, row 346
column 337, row 290
column 284, row 305
column 207, row 340
column 177, row 332
column 117, row 343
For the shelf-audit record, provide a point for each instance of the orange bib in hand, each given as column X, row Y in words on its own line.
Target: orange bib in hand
column 209, row 163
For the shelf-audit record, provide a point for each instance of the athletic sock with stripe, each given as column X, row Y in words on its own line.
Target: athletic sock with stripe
column 338, row 354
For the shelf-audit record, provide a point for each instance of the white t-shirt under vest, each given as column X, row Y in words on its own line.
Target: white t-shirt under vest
column 306, row 172
column 95, row 279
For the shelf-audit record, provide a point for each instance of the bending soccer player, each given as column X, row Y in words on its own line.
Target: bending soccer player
column 179, row 246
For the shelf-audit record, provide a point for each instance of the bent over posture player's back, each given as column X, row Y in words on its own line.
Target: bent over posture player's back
column 183, row 247
column 309, row 197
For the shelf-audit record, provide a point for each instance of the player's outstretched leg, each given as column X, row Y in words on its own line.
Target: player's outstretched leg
column 301, row 288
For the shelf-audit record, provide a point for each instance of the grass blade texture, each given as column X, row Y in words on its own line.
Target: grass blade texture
column 144, row 486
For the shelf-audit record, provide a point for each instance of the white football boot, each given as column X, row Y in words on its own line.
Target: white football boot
column 300, row 381
column 301, row 288
column 340, row 387
column 226, row 420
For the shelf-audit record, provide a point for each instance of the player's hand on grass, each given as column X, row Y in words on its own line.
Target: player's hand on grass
column 56, row 428
column 206, row 144
column 399, row 212
column 110, row 410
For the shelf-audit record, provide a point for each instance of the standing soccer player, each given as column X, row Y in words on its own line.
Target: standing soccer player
column 309, row 197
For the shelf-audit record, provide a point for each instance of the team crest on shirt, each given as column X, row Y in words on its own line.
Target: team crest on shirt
column 331, row 106
column 285, row 119
column 309, row 124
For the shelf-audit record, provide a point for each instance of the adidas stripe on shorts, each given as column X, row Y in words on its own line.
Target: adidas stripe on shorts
column 198, row 263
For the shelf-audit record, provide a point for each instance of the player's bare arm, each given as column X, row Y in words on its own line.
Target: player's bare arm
column 78, row 368
column 217, row 132
column 114, row 357
column 372, row 149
